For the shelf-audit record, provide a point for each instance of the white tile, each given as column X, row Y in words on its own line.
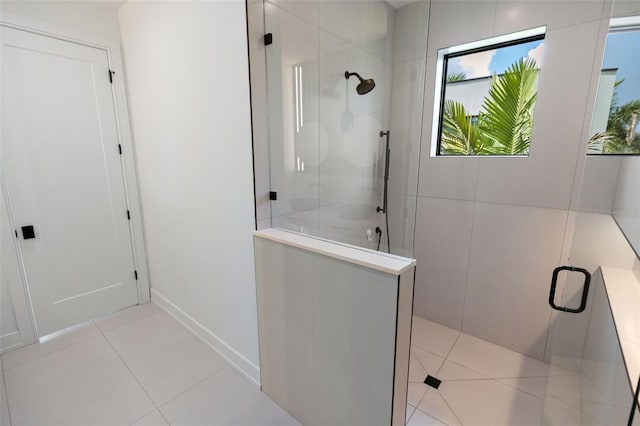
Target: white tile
column 410, row 38
column 535, row 386
column 573, row 390
column 516, row 15
column 430, row 362
column 599, row 181
column 409, row 413
column 380, row 30
column 487, row 402
column 225, row 399
column 416, row 393
column 432, row 337
column 625, row 8
column 443, row 177
column 597, row 241
column 453, row 371
column 545, row 178
column 416, row 372
column 345, row 20
column 557, row 413
column 83, row 384
column 495, row 361
column 420, row 418
column 616, row 413
column 443, row 235
column 307, row 10
column 458, row 22
column 163, row 355
column 36, row 350
column 514, row 250
column 434, row 405
column 406, row 125
column 126, row 316
column 152, row 419
column 404, row 41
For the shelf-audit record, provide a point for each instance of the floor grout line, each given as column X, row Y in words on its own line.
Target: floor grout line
column 123, row 325
column 6, row 395
column 130, row 372
column 450, row 407
column 196, row 384
column 156, row 406
column 49, row 353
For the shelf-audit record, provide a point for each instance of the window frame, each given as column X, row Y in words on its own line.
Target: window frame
column 443, row 55
column 617, row 25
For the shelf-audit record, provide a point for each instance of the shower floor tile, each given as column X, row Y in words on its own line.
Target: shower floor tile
column 482, row 383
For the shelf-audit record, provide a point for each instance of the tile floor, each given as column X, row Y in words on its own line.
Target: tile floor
column 137, row 367
column 484, row 384
column 141, row 367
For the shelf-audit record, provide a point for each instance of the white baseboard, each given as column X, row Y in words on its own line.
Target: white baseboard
column 237, row 361
column 10, row 341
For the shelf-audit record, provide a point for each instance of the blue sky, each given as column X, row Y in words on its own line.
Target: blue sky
column 623, row 52
column 487, row 63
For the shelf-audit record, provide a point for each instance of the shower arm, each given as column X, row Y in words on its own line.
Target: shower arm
column 383, row 209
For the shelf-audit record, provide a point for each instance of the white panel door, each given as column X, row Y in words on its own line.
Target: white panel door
column 61, row 160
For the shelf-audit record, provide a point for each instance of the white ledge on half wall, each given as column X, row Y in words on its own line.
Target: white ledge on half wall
column 623, row 292
column 383, row 262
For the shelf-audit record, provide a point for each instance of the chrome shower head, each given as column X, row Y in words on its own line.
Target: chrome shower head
column 365, row 86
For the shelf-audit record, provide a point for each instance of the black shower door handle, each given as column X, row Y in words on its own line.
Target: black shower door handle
column 585, row 289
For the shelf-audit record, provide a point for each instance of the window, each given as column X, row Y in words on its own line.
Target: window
column 486, row 95
column 615, row 128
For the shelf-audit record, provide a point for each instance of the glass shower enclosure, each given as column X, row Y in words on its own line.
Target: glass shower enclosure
column 345, row 95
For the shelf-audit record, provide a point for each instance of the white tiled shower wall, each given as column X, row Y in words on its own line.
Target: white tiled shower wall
column 490, row 231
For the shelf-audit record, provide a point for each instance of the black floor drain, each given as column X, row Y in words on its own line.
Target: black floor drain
column 432, row 381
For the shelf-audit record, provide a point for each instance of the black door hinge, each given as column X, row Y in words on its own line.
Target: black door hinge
column 268, row 39
column 16, row 231
column 111, row 73
column 128, row 215
column 135, row 273
column 273, row 195
column 120, row 149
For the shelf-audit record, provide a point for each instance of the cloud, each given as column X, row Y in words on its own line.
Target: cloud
column 537, row 54
column 477, row 64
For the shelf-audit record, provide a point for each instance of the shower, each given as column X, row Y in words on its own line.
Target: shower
column 365, row 86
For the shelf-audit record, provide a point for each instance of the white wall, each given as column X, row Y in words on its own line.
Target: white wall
column 189, row 94
column 97, row 19
column 491, row 230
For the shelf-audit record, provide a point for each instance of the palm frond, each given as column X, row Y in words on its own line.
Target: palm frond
column 508, row 109
column 459, row 135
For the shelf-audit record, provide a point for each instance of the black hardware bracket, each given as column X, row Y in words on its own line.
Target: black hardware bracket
column 28, row 232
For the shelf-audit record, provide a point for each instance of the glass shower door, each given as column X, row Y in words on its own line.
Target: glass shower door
column 588, row 382
column 330, row 89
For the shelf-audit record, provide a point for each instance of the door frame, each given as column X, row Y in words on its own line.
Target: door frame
column 124, row 130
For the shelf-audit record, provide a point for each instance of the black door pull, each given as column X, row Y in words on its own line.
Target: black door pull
column 28, row 232
column 585, row 289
